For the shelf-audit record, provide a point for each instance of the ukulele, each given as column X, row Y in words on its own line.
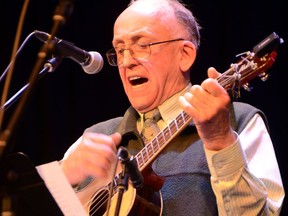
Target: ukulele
column 95, row 197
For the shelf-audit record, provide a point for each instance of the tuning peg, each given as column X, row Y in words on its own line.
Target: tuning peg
column 263, row 76
column 247, row 87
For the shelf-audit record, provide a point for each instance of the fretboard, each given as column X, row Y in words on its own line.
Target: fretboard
column 161, row 140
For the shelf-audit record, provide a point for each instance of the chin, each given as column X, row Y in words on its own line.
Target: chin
column 140, row 106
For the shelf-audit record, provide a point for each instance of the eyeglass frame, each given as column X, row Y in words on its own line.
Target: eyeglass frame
column 113, row 51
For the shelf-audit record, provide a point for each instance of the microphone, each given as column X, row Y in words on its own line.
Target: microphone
column 91, row 62
column 132, row 167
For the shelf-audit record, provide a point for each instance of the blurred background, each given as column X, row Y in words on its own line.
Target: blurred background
column 66, row 101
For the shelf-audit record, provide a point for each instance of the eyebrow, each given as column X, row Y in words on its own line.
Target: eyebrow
column 135, row 37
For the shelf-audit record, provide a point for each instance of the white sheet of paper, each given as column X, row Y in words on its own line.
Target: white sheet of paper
column 60, row 189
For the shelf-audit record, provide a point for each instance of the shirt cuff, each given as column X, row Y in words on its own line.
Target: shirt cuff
column 226, row 161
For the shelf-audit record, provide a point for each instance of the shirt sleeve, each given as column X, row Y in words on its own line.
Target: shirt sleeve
column 245, row 176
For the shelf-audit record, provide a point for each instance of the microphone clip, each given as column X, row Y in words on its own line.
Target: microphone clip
column 130, row 167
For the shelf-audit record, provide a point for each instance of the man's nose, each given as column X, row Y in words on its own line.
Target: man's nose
column 127, row 57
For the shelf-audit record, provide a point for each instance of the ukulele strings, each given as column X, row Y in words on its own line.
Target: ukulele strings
column 105, row 195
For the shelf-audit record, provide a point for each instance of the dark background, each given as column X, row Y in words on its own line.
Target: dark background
column 68, row 100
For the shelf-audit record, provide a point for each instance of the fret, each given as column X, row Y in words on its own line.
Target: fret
column 166, row 133
column 175, row 123
column 161, row 139
column 143, row 158
column 173, row 128
column 150, row 150
column 158, row 144
column 169, row 130
column 155, row 144
column 180, row 120
column 145, row 154
column 140, row 158
column 186, row 117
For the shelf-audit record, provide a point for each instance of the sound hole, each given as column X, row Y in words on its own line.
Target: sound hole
column 99, row 203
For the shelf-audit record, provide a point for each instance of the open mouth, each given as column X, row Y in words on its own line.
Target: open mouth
column 137, row 81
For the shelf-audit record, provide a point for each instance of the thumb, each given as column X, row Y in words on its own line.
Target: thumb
column 116, row 138
column 213, row 73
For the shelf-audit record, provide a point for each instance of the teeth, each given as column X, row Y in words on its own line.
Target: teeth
column 137, row 81
column 134, row 78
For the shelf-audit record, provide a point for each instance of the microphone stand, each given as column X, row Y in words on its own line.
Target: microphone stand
column 17, row 173
column 50, row 66
column 129, row 171
column 122, row 184
column 62, row 11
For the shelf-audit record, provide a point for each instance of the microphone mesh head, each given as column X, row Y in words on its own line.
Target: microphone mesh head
column 95, row 65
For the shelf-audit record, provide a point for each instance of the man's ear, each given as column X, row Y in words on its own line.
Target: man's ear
column 188, row 55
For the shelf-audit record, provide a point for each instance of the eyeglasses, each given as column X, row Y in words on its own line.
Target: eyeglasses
column 137, row 50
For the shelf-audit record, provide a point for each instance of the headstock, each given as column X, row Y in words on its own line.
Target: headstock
column 252, row 64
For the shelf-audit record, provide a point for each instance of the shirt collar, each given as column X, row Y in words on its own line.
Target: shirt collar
column 170, row 108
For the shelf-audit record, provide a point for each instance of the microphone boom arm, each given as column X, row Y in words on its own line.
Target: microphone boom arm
column 50, row 66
